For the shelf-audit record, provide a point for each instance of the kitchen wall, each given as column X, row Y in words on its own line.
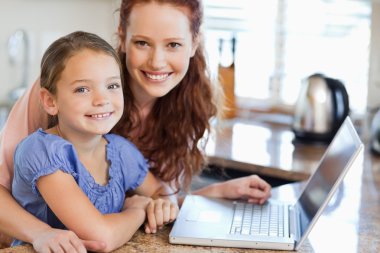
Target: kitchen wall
column 44, row 21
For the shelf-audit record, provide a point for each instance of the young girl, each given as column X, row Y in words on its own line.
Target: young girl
column 169, row 101
column 75, row 174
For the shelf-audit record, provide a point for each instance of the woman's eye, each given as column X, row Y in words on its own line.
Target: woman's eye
column 80, row 90
column 113, row 86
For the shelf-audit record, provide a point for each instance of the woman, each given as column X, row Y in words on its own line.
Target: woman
column 169, row 101
column 169, row 97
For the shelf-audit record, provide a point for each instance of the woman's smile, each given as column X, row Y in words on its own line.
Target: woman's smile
column 157, row 76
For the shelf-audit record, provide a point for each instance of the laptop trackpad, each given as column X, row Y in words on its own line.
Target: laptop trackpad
column 204, row 216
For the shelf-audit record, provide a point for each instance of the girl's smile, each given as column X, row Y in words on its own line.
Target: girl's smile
column 100, row 115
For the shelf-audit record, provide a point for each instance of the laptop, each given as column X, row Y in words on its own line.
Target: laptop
column 275, row 225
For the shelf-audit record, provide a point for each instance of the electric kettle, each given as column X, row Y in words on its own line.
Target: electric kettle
column 321, row 108
column 375, row 134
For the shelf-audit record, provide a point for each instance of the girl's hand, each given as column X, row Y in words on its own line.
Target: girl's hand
column 252, row 188
column 159, row 213
column 136, row 202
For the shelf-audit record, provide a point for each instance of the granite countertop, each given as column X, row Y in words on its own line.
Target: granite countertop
column 159, row 243
column 351, row 223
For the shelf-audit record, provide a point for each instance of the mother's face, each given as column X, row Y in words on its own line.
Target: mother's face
column 158, row 46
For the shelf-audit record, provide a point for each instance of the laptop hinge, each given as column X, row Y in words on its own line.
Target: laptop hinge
column 294, row 226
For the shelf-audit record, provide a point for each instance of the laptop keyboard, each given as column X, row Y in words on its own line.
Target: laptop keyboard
column 253, row 219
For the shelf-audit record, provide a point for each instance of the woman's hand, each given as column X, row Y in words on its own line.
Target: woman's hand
column 252, row 188
column 159, row 213
column 57, row 240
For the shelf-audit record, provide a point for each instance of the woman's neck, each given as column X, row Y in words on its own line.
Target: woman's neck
column 142, row 100
column 139, row 119
column 144, row 108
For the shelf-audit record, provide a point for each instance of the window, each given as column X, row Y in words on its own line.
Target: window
column 281, row 42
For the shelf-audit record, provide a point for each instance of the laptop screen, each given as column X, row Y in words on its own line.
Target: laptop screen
column 330, row 171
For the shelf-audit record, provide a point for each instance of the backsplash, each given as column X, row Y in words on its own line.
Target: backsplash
column 37, row 23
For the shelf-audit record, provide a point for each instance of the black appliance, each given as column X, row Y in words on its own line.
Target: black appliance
column 321, row 108
column 375, row 134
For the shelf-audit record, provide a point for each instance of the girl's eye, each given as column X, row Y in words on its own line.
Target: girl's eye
column 174, row 45
column 81, row 90
column 113, row 86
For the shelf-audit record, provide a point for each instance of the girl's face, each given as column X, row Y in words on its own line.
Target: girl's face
column 158, row 46
column 89, row 98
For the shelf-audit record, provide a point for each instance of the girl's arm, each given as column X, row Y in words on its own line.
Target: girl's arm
column 15, row 221
column 164, row 207
column 155, row 188
column 77, row 213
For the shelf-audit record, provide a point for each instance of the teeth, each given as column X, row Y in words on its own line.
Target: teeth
column 99, row 116
column 157, row 77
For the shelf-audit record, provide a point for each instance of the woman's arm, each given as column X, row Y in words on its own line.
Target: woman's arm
column 252, row 188
column 77, row 213
column 18, row 221
column 25, row 117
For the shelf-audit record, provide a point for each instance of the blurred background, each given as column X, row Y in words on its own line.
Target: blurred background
column 273, row 46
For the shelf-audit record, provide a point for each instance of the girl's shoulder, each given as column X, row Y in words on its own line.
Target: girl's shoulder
column 41, row 138
column 42, row 154
column 126, row 161
column 41, row 144
column 122, row 147
column 119, row 141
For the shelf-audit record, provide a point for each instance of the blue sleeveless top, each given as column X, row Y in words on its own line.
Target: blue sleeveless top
column 41, row 154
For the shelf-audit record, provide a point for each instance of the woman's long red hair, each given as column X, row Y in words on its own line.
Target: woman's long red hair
column 178, row 121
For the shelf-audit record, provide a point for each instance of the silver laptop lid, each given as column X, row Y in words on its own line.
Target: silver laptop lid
column 330, row 172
